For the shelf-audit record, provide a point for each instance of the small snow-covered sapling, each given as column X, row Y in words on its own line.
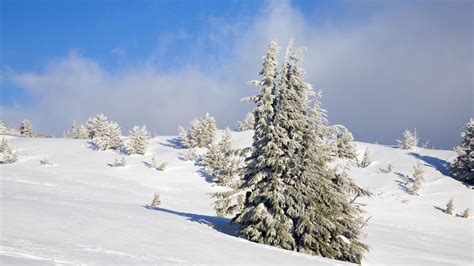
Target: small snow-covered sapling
column 465, row 214
column 120, row 161
column 366, row 160
column 162, row 166
column 450, row 207
column 156, row 201
column 45, row 161
column 387, row 170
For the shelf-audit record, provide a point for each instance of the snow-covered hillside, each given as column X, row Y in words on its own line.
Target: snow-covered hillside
column 82, row 210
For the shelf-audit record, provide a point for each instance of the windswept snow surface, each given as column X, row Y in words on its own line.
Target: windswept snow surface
column 83, row 211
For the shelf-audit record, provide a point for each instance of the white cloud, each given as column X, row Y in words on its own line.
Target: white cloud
column 400, row 68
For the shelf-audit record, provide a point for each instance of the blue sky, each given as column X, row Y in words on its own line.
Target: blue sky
column 382, row 67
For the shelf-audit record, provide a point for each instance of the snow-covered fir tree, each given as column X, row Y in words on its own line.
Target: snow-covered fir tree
column 345, row 144
column 9, row 156
column 138, row 140
column 3, row 128
column 222, row 162
column 107, row 136
column 156, row 201
column 78, row 131
column 247, row 124
column 5, row 145
column 409, row 141
column 463, row 166
column 26, row 130
column 450, row 207
column 366, row 160
column 418, row 178
column 465, row 213
column 289, row 197
column 97, row 126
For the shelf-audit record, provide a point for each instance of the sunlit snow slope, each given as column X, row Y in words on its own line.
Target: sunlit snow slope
column 83, row 211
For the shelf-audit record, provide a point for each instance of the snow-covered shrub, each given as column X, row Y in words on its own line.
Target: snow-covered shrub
column 450, row 207
column 138, row 140
column 366, row 160
column 465, row 213
column 201, row 134
column 46, row 161
column 162, row 166
column 26, row 130
column 120, row 161
column 463, row 166
column 156, row 201
column 247, row 124
column 3, row 128
column 409, row 141
column 387, row 170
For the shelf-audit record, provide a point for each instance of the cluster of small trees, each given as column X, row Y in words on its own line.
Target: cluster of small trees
column 223, row 163
column 201, row 133
column 289, row 197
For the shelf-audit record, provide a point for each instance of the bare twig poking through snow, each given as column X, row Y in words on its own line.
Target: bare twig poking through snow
column 465, row 214
column 120, row 161
column 450, row 207
column 366, row 160
column 365, row 223
column 156, row 201
column 409, row 141
column 387, row 170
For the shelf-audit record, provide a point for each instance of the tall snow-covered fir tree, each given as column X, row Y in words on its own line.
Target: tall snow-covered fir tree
column 463, row 166
column 138, row 140
column 262, row 218
column 26, row 130
column 292, row 198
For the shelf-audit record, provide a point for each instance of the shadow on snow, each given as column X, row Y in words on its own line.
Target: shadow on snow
column 220, row 224
column 441, row 165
